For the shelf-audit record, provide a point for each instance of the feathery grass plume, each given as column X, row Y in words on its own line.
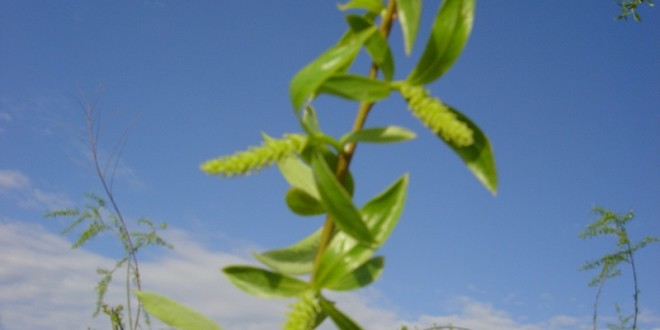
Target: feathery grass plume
column 436, row 116
column 304, row 312
column 244, row 162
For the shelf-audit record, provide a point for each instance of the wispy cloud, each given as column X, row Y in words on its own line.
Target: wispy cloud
column 13, row 180
column 46, row 285
column 473, row 314
column 4, row 118
column 40, row 115
column 16, row 186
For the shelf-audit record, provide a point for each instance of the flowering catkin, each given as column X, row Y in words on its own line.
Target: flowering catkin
column 436, row 116
column 303, row 312
column 255, row 158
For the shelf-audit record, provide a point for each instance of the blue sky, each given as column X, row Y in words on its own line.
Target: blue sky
column 568, row 96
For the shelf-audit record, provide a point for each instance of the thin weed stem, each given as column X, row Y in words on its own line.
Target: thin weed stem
column 94, row 129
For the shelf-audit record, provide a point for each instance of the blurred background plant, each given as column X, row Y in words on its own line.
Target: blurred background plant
column 104, row 215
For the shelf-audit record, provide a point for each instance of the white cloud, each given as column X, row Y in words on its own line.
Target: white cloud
column 16, row 186
column 13, row 180
column 478, row 315
column 46, row 285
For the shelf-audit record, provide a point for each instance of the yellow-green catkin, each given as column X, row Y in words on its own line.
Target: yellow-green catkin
column 436, row 116
column 304, row 312
column 243, row 162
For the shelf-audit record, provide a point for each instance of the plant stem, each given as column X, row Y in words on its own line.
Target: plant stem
column 636, row 294
column 345, row 157
column 94, row 133
column 594, row 319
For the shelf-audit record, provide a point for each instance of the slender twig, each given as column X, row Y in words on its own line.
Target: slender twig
column 636, row 294
column 594, row 319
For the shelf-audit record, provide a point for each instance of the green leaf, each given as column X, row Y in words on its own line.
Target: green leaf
column 340, row 319
column 479, row 156
column 345, row 254
column 173, row 313
column 409, row 12
column 387, row 134
column 264, row 283
column 305, row 83
column 297, row 259
column 355, row 87
column 449, row 35
column 383, row 211
column 374, row 6
column 331, row 159
column 299, row 176
column 302, row 203
column 380, row 52
column 377, row 45
column 361, row 276
column 341, row 258
column 310, row 121
column 337, row 201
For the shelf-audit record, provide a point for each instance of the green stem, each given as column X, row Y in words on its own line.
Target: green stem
column 345, row 157
column 594, row 319
column 636, row 294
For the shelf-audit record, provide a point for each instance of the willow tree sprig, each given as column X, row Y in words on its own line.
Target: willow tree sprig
column 341, row 254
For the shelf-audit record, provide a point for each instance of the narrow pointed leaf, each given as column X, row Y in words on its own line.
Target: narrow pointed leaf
column 310, row 121
column 337, row 201
column 331, row 159
column 377, row 45
column 340, row 259
column 174, row 313
column 296, row 259
column 345, row 254
column 387, row 134
column 479, row 156
column 299, row 175
column 305, row 83
column 409, row 12
column 380, row 52
column 357, row 88
column 264, row 283
column 362, row 276
column 374, row 6
column 339, row 318
column 449, row 35
column 382, row 213
column 302, row 203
